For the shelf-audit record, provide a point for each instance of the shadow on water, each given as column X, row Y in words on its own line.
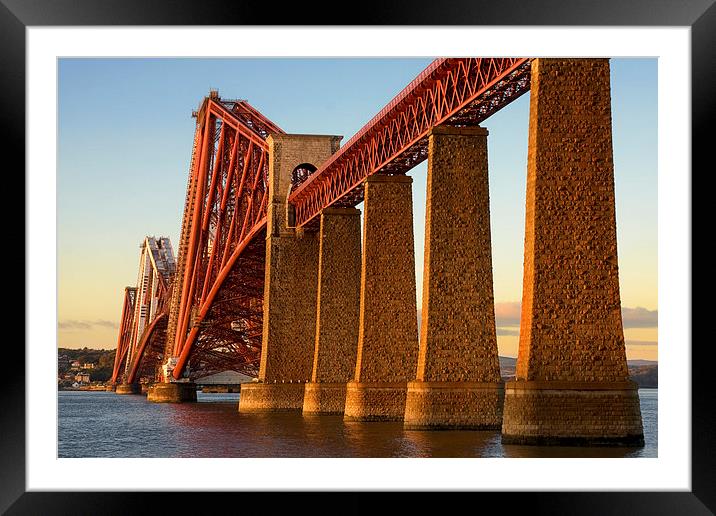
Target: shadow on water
column 517, row 451
column 454, row 443
column 99, row 424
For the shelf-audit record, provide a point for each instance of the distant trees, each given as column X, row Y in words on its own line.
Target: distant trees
column 106, row 360
column 102, row 358
column 646, row 376
column 101, row 374
column 85, row 355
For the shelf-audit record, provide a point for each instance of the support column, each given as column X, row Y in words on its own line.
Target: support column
column 174, row 392
column 291, row 282
column 572, row 384
column 128, row 388
column 388, row 331
column 458, row 375
column 336, row 342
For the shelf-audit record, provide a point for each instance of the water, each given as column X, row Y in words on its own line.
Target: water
column 104, row 424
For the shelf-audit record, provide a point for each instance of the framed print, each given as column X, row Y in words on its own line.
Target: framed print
column 45, row 46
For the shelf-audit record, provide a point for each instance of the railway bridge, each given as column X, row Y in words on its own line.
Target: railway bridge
column 276, row 279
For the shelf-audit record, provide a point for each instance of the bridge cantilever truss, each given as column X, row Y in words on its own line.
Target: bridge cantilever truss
column 216, row 309
column 142, row 330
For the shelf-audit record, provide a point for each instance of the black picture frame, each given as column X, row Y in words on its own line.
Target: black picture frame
column 16, row 15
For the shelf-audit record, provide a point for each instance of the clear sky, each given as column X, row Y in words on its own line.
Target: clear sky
column 124, row 142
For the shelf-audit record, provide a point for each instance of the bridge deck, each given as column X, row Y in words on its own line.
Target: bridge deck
column 453, row 91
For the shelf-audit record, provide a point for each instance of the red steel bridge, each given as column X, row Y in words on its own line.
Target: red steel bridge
column 207, row 310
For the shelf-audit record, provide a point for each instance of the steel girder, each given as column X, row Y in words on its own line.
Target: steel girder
column 455, row 91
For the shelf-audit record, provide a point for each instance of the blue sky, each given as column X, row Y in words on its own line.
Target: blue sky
column 124, row 141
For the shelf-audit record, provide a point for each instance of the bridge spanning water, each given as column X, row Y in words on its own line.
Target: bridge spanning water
column 272, row 280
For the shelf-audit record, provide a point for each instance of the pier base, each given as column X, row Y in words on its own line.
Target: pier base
column 337, row 311
column 454, row 405
column 457, row 385
column 128, row 388
column 375, row 401
column 110, row 387
column 572, row 414
column 290, row 281
column 265, row 397
column 221, row 388
column 172, row 392
column 388, row 331
column 324, row 398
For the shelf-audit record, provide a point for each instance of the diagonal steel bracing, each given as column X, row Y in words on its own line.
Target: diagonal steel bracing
column 455, row 91
column 225, row 210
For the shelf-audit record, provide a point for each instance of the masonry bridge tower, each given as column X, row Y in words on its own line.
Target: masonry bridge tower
column 272, row 244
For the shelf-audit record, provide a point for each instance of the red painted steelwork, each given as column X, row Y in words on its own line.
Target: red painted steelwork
column 157, row 326
column 141, row 355
column 226, row 208
column 125, row 332
column 248, row 286
column 455, row 91
column 149, row 353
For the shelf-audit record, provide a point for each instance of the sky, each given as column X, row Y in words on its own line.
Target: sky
column 125, row 134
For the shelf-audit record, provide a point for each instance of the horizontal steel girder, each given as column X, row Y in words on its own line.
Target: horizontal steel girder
column 458, row 92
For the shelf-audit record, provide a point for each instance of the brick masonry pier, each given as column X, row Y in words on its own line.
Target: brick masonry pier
column 458, row 376
column 572, row 382
column 572, row 413
column 178, row 392
column 128, row 388
column 291, row 282
column 388, row 330
column 339, row 267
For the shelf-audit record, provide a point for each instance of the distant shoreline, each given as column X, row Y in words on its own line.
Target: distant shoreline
column 101, row 388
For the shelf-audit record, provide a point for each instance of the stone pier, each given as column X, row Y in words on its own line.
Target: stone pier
column 174, row 392
column 336, row 342
column 572, row 384
column 291, row 282
column 388, row 332
column 458, row 375
column 128, row 388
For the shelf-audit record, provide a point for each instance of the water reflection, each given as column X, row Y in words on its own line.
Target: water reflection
column 377, row 439
column 99, row 424
column 520, row 451
column 452, row 443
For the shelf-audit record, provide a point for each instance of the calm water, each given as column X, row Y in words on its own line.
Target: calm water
column 104, row 424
